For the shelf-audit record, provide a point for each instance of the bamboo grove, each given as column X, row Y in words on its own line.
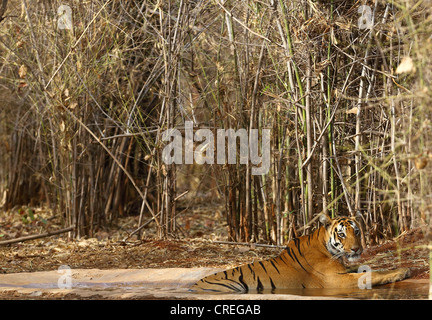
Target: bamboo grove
column 344, row 86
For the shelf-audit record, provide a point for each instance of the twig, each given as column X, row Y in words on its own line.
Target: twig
column 181, row 195
column 144, row 225
column 37, row 236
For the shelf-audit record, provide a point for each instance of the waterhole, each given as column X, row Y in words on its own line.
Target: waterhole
column 173, row 283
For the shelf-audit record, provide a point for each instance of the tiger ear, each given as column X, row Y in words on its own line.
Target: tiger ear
column 325, row 219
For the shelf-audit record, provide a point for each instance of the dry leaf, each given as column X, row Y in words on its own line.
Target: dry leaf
column 343, row 25
column 22, row 71
column 22, row 84
column 19, row 44
column 353, row 110
column 79, row 66
column 420, row 162
column 405, row 66
column 333, row 37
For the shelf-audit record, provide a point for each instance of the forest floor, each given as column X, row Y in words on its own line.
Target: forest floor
column 194, row 248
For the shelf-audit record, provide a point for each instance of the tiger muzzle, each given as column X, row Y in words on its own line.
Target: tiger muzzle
column 354, row 254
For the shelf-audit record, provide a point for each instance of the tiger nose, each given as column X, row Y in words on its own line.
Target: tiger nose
column 356, row 250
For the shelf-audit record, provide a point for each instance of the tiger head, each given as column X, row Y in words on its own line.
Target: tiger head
column 344, row 237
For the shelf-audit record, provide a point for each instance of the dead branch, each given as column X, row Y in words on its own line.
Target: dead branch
column 37, row 236
column 250, row 244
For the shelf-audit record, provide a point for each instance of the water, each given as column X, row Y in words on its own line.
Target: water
column 408, row 289
column 404, row 290
column 174, row 284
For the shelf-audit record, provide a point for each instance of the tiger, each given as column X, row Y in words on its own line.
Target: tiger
column 310, row 261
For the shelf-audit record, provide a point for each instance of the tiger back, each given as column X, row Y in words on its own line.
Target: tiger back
column 311, row 261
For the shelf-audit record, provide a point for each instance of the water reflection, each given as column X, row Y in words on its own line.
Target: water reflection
column 408, row 289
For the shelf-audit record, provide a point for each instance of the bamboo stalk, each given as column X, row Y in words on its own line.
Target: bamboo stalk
column 327, row 149
column 308, row 111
